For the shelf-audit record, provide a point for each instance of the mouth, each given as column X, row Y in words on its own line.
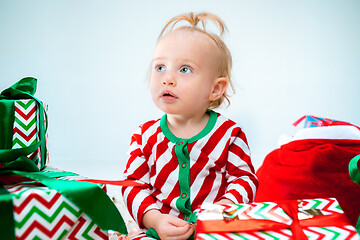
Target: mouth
column 168, row 95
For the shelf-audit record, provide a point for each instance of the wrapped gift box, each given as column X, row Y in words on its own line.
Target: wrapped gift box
column 44, row 213
column 303, row 219
column 23, row 124
column 37, row 202
column 25, row 127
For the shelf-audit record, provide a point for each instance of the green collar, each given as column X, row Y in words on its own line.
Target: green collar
column 169, row 135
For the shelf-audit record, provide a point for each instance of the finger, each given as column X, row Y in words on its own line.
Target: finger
column 189, row 233
column 177, row 222
column 183, row 236
column 177, row 230
column 173, row 232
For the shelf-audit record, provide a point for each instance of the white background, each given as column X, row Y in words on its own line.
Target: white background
column 91, row 60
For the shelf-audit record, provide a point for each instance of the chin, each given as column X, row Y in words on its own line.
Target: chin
column 171, row 112
column 168, row 109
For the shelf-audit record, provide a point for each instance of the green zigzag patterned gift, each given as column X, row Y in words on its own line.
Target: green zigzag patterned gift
column 25, row 130
column 40, row 211
column 303, row 219
column 43, row 213
column 23, row 125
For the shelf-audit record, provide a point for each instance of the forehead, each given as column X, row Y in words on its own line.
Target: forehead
column 188, row 34
column 185, row 41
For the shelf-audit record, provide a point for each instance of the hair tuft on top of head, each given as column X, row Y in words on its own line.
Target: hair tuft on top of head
column 193, row 20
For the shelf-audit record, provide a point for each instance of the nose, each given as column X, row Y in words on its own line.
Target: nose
column 169, row 80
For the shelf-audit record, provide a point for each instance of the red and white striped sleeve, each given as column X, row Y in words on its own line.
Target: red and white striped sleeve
column 138, row 199
column 241, row 178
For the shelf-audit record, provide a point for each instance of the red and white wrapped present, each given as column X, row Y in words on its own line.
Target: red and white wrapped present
column 291, row 219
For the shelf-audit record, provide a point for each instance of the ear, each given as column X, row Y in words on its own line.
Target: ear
column 219, row 87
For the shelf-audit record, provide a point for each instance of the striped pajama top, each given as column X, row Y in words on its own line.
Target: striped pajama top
column 178, row 175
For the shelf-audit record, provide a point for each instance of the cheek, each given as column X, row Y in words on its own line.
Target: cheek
column 186, row 89
column 153, row 91
column 153, row 87
column 198, row 93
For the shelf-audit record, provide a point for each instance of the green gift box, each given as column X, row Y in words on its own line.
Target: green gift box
column 40, row 212
column 20, row 130
column 23, row 127
column 23, row 155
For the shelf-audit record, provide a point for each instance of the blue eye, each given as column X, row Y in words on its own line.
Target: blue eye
column 160, row 68
column 186, row 69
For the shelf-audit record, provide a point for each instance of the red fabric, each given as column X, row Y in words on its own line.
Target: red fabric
column 312, row 168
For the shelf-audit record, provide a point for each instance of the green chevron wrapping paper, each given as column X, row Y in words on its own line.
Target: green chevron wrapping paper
column 25, row 129
column 314, row 219
column 43, row 213
column 23, row 126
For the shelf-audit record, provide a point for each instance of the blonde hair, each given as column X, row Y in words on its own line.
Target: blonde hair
column 225, row 55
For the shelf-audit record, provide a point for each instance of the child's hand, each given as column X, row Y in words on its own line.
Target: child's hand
column 168, row 226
